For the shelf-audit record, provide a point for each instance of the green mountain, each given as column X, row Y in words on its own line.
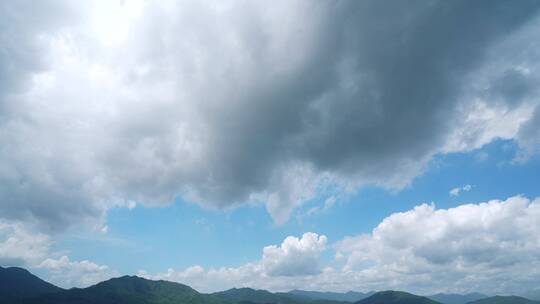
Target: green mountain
column 457, row 298
column 396, row 297
column 259, row 296
column 135, row 290
column 350, row 296
column 505, row 300
column 17, row 284
column 128, row 290
column 249, row 295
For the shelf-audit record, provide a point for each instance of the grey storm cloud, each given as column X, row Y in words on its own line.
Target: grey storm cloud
column 240, row 102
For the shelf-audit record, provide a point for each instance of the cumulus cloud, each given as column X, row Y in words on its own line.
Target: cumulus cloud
column 295, row 256
column 24, row 246
column 117, row 103
column 20, row 246
column 67, row 273
column 489, row 247
column 485, row 247
column 457, row 190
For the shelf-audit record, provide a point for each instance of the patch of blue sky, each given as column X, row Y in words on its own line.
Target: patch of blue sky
column 184, row 234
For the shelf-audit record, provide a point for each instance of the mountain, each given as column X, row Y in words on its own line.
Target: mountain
column 533, row 295
column 350, row 296
column 18, row 283
column 128, row 290
column 396, row 297
column 259, row 296
column 248, row 295
column 504, row 300
column 18, row 286
column 457, row 298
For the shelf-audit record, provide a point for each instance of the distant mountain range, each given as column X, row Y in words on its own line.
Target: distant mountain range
column 457, row 298
column 396, row 297
column 349, row 296
column 505, row 300
column 18, row 286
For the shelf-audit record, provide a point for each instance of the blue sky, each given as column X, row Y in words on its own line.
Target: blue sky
column 351, row 145
column 184, row 234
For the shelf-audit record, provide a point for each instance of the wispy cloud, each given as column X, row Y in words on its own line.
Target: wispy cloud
column 458, row 190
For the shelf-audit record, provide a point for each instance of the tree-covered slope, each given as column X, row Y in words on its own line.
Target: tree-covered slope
column 396, row 297
column 445, row 298
column 17, row 283
column 350, row 296
column 505, row 300
column 129, row 290
column 259, row 296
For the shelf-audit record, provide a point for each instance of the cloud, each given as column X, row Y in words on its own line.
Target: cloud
column 529, row 138
column 67, row 273
column 328, row 203
column 20, row 246
column 456, row 191
column 24, row 246
column 238, row 102
column 488, row 247
column 295, row 256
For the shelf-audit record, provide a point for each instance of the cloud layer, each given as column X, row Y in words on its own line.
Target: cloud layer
column 106, row 104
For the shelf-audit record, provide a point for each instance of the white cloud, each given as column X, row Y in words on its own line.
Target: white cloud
column 20, row 246
column 489, row 247
column 24, row 246
column 67, row 273
column 295, row 256
column 328, row 203
column 457, row 190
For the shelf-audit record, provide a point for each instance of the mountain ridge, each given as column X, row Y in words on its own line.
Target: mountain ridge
column 505, row 300
column 19, row 286
column 453, row 298
column 349, row 296
column 18, row 283
column 396, row 297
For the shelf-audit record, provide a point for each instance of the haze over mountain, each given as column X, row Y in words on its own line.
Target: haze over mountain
column 349, row 296
column 457, row 298
column 505, row 300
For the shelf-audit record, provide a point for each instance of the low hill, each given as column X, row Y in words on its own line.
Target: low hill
column 457, row 298
column 128, row 290
column 504, row 300
column 350, row 296
column 248, row 295
column 396, row 297
column 18, row 283
column 259, row 296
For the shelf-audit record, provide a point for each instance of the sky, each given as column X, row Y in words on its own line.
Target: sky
column 328, row 145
